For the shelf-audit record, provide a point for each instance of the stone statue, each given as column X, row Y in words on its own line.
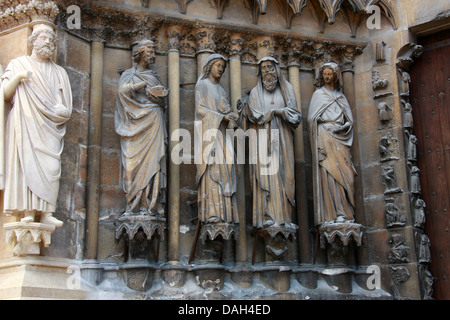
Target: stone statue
column 41, row 106
column 139, row 121
column 272, row 108
column 217, row 172
column 331, row 132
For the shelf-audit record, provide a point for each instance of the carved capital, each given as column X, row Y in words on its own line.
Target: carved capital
column 266, row 47
column 174, row 35
column 293, row 51
column 204, row 40
column 237, row 43
column 21, row 12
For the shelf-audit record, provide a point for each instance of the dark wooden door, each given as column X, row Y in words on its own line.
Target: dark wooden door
column 430, row 98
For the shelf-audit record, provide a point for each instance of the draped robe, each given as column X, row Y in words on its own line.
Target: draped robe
column 273, row 194
column 35, row 130
column 140, row 124
column 333, row 170
column 217, row 179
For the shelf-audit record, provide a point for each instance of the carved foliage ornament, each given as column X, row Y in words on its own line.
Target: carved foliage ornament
column 13, row 13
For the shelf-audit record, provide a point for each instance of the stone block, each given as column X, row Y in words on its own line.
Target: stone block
column 112, row 199
column 110, row 139
column 77, row 127
column 109, row 98
column 80, row 55
column 70, row 162
column 374, row 210
column 115, row 60
column 14, row 45
column 378, row 248
column 110, row 171
column 41, row 278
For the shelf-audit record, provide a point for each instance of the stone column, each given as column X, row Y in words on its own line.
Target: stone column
column 236, row 43
column 299, row 155
column 94, row 149
column 173, row 273
column 174, row 124
column 241, row 273
column 349, row 91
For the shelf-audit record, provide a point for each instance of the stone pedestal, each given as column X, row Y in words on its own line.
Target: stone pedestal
column 174, row 274
column 339, row 279
column 210, row 276
column 336, row 238
column 275, row 239
column 307, row 276
column 137, row 230
column 216, row 230
column 138, row 276
column 276, row 277
column 345, row 232
column 242, row 274
column 213, row 236
column 37, row 277
column 27, row 237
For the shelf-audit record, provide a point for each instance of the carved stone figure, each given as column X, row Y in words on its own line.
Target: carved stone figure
column 41, row 106
column 389, row 179
column 272, row 113
column 414, row 179
column 331, row 132
column 411, row 150
column 404, row 84
column 378, row 82
column 139, row 121
column 419, row 213
column 399, row 251
column 272, row 107
column 408, row 121
column 217, row 172
column 424, row 249
column 384, row 112
column 388, row 147
column 393, row 216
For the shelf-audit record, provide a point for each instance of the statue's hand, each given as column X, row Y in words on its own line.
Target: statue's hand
column 25, row 75
column 231, row 116
column 232, row 125
column 277, row 112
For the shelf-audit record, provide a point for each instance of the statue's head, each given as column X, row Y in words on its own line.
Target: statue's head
column 269, row 73
column 214, row 59
column 144, row 51
column 43, row 41
column 329, row 72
